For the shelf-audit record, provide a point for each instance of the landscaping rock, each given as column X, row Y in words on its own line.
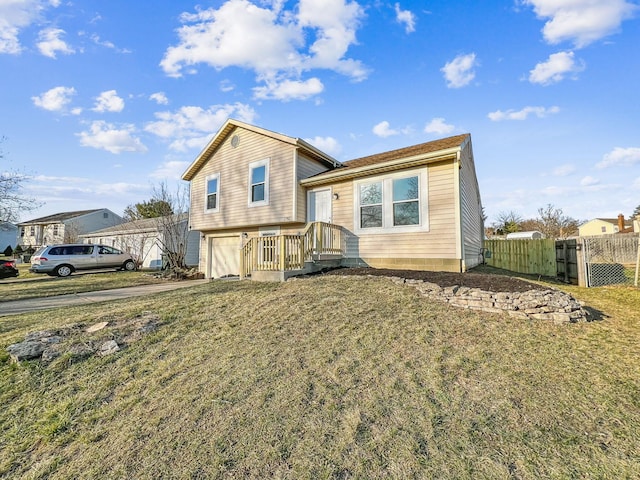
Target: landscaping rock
column 78, row 342
column 107, row 348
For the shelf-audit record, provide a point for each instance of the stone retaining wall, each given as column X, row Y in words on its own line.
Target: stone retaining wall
column 552, row 305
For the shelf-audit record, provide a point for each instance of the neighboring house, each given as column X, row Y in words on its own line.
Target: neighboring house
column 8, row 236
column 269, row 202
column 144, row 240
column 531, row 235
column 64, row 227
column 605, row 226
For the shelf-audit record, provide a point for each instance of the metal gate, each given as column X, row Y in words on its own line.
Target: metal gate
column 567, row 261
column 611, row 259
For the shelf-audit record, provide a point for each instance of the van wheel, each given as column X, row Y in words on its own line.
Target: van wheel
column 129, row 265
column 64, row 271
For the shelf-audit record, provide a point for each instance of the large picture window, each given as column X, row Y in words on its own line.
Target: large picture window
column 259, row 183
column 213, row 193
column 394, row 203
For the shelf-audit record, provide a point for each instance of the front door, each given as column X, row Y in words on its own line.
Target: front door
column 320, row 205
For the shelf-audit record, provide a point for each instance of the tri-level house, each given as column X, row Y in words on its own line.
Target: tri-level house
column 269, row 206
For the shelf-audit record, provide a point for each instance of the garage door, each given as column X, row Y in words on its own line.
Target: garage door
column 224, row 256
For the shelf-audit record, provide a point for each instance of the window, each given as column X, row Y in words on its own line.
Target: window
column 32, row 231
column 406, row 205
column 259, row 183
column 213, row 189
column 394, row 203
column 55, row 229
column 603, row 229
column 22, row 232
column 371, row 205
column 105, row 214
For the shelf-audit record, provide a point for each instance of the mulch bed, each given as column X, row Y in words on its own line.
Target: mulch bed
column 483, row 281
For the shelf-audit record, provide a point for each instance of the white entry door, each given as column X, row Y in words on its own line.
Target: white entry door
column 319, row 209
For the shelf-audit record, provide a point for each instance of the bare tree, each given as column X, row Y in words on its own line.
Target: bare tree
column 174, row 226
column 554, row 224
column 12, row 201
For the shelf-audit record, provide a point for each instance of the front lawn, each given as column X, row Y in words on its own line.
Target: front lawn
column 39, row 285
column 328, row 377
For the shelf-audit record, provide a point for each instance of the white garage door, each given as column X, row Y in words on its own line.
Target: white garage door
column 224, row 256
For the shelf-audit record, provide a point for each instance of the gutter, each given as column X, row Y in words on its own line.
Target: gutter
column 346, row 172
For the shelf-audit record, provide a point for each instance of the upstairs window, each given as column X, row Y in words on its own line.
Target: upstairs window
column 55, row 229
column 213, row 189
column 259, row 183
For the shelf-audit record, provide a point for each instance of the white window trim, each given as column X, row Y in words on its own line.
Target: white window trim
column 215, row 176
column 258, row 164
column 387, row 203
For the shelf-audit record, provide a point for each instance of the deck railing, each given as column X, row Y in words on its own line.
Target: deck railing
column 290, row 252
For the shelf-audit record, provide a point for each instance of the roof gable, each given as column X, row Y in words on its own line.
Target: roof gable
column 231, row 125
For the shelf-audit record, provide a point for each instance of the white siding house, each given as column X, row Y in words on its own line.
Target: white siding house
column 144, row 240
column 65, row 227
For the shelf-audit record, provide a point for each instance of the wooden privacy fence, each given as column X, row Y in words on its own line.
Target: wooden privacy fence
column 536, row 257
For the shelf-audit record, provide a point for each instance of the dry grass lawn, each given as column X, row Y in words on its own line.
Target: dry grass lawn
column 329, row 377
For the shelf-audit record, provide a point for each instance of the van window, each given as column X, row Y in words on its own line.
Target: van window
column 104, row 250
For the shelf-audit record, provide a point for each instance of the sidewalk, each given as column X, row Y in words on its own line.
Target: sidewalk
column 15, row 307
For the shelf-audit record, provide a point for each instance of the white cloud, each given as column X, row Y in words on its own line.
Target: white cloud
column 439, row 127
column 160, row 98
column 563, row 170
column 286, row 90
column 326, row 144
column 106, row 136
column 172, row 169
column 459, row 71
column 190, row 126
column 523, row 114
column 15, row 16
column 581, row 21
column 407, row 18
column 384, row 130
column 56, row 99
column 109, row 101
column 51, row 42
column 227, row 86
column 278, row 45
column 557, row 66
column 620, row 157
column 589, row 181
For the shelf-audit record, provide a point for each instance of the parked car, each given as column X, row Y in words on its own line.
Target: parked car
column 63, row 260
column 8, row 269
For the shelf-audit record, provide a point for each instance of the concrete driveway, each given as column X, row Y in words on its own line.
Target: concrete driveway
column 15, row 307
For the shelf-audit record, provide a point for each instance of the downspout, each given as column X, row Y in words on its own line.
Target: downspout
column 458, row 217
column 295, row 185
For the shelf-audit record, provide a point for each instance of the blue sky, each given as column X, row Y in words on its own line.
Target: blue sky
column 102, row 101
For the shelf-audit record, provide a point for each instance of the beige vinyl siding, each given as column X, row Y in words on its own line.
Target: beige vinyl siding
column 471, row 210
column 233, row 166
column 437, row 243
column 306, row 168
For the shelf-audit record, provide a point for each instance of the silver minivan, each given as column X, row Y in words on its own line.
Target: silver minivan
column 63, row 260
